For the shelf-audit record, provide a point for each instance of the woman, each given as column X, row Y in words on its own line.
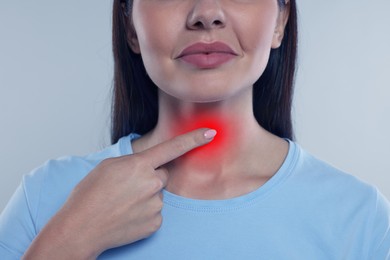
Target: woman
column 202, row 165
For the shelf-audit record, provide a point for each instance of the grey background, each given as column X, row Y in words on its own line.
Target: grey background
column 56, row 77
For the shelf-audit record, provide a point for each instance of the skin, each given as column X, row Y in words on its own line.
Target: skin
column 128, row 188
column 186, row 93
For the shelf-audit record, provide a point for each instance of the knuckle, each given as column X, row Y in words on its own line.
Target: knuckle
column 153, row 225
column 137, row 157
column 161, row 196
column 159, row 205
column 156, row 185
column 156, row 223
column 106, row 162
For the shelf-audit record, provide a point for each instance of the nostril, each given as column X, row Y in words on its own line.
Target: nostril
column 206, row 20
column 198, row 24
column 217, row 22
column 204, row 25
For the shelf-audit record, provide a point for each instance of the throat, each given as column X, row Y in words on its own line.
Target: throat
column 212, row 155
column 240, row 158
column 205, row 172
column 236, row 162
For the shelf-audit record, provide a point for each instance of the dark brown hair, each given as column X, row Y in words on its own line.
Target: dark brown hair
column 135, row 103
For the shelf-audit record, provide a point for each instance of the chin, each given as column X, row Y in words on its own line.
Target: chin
column 203, row 98
column 206, row 95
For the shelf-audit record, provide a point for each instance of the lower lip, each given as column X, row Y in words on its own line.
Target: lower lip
column 208, row 61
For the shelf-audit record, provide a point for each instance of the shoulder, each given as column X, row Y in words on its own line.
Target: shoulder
column 324, row 176
column 344, row 201
column 320, row 183
column 47, row 187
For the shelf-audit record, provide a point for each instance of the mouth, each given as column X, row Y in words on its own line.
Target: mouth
column 207, row 55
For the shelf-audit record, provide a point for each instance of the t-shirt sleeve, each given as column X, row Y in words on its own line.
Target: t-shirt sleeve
column 381, row 229
column 17, row 228
column 41, row 194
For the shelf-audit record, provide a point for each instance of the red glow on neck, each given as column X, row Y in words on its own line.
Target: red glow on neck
column 217, row 146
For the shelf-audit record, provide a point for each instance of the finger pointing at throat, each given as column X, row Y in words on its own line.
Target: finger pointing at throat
column 177, row 146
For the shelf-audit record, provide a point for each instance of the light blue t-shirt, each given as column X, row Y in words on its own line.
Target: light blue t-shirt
column 307, row 210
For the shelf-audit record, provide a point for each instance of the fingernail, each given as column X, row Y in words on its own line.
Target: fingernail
column 209, row 134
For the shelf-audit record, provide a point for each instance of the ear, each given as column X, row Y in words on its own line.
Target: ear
column 132, row 40
column 281, row 25
column 131, row 34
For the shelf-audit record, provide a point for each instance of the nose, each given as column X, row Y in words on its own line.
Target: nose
column 206, row 15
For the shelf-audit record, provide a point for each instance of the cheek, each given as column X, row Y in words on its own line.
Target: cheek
column 256, row 34
column 157, row 44
column 156, row 36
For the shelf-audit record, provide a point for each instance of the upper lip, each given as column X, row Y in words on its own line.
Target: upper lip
column 206, row 48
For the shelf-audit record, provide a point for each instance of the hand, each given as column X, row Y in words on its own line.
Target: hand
column 117, row 203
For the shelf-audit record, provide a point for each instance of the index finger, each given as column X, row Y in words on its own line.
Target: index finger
column 177, row 146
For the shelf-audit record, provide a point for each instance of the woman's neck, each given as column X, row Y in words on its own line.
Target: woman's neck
column 240, row 148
